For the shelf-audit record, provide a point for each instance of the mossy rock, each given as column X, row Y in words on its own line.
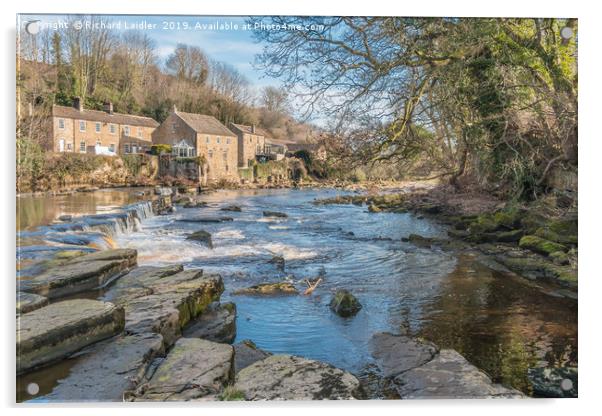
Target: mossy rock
column 344, row 304
column 564, row 227
column 560, row 258
column 539, row 268
column 540, row 245
column 280, row 288
column 374, row 208
column 230, row 394
column 548, row 234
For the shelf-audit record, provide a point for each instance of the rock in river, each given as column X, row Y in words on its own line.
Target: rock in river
column 27, row 302
column 82, row 273
column 280, row 288
column 247, row 353
column 344, row 304
column 201, row 236
column 286, row 377
column 232, row 208
column 274, row 214
column 217, row 324
column 163, row 300
column 56, row 331
column 194, row 369
column 419, row 370
column 109, row 369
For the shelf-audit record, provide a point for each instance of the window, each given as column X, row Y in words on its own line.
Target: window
column 207, row 140
column 69, row 147
column 97, row 127
column 112, row 147
column 112, row 128
column 61, row 123
column 126, row 148
column 126, row 130
column 217, row 140
column 139, row 131
column 210, row 154
column 225, row 156
column 228, row 140
column 82, row 125
column 174, row 127
column 82, row 146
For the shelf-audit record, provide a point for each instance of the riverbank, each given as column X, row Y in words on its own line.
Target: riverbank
column 294, row 317
column 538, row 242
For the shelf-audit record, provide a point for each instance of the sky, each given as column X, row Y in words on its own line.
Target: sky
column 222, row 38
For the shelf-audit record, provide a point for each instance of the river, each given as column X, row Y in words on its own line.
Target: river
column 497, row 321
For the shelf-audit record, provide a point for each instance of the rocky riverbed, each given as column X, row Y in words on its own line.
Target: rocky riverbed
column 138, row 323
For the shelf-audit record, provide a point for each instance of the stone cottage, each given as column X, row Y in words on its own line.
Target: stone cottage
column 191, row 135
column 251, row 143
column 76, row 129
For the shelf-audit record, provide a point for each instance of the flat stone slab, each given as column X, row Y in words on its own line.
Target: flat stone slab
column 398, row 353
column 247, row 353
column 109, row 370
column 287, row 377
column 164, row 300
column 217, row 324
column 450, row 376
column 194, row 369
column 27, row 302
column 419, row 370
column 56, row 331
column 206, row 219
column 83, row 273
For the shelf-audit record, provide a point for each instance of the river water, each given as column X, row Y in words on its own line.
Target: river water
column 497, row 321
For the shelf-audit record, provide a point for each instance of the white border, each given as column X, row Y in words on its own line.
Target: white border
column 590, row 154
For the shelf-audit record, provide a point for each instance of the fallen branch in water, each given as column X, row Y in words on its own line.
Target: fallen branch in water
column 311, row 287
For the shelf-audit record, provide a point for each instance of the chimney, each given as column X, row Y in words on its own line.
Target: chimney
column 77, row 104
column 108, row 107
column 253, row 129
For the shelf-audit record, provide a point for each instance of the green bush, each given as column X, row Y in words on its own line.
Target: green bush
column 158, row 149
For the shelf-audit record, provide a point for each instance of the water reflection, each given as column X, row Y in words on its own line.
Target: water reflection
column 500, row 324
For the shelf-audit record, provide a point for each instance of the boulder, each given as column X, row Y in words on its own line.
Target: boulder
column 274, row 214
column 27, row 302
column 163, row 191
column 217, row 324
column 278, row 261
column 344, row 304
column 247, row 353
column 280, row 288
column 396, row 354
column 232, row 208
column 194, row 204
column 109, row 369
column 557, row 382
column 82, row 273
column 449, row 376
column 201, row 236
column 540, row 245
column 173, row 302
column 194, row 369
column 420, row 241
column 56, row 331
column 65, row 217
column 286, row 377
column 417, row 369
column 138, row 282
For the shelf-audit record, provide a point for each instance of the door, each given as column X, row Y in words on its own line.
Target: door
column 61, row 145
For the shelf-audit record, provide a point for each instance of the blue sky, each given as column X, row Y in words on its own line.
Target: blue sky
column 232, row 44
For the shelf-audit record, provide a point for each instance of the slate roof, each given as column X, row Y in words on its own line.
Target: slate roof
column 249, row 130
column 202, row 123
column 103, row 116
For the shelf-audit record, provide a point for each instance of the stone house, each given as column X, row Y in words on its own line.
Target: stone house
column 76, row 129
column 251, row 143
column 192, row 135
